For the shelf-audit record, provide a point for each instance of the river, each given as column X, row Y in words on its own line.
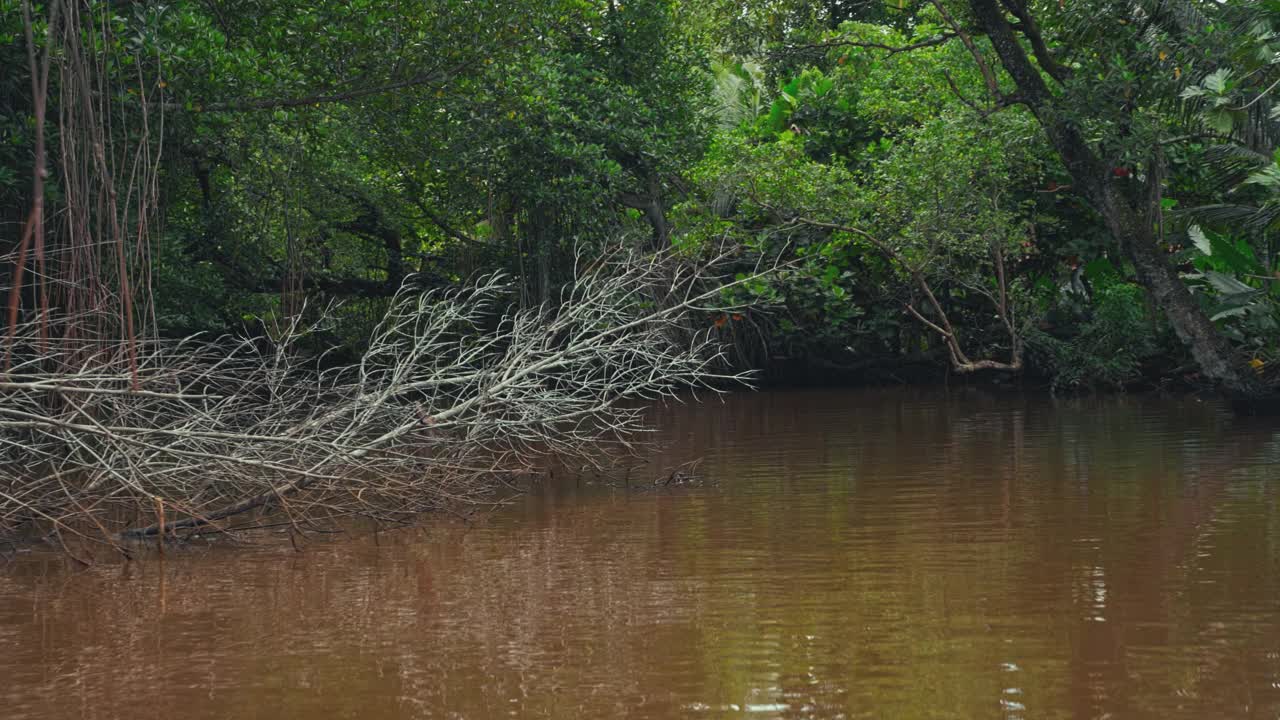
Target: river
column 842, row 554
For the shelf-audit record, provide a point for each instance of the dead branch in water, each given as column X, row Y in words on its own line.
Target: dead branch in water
column 454, row 395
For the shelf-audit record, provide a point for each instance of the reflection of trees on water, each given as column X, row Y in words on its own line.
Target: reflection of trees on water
column 1115, row 502
column 888, row 553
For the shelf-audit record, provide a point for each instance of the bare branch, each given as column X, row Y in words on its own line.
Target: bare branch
column 456, row 394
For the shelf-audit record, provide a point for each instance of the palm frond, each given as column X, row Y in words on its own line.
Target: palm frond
column 1253, row 220
column 1229, row 165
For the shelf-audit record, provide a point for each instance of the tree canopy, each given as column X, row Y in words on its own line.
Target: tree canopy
column 1086, row 194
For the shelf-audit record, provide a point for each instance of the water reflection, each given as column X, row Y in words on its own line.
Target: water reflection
column 886, row 554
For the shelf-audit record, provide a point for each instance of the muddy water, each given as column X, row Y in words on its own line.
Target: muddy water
column 877, row 554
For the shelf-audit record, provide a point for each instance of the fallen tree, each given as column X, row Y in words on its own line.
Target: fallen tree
column 454, row 396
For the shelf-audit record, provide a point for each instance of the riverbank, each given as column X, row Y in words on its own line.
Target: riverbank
column 784, row 373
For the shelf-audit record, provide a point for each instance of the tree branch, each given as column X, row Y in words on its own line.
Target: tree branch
column 989, row 76
column 890, row 49
column 959, row 360
column 1029, row 29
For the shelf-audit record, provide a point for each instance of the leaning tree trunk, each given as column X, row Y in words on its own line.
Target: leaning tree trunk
column 1129, row 218
column 1197, row 332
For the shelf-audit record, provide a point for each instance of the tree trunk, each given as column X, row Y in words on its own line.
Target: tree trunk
column 1129, row 218
column 1197, row 332
column 650, row 204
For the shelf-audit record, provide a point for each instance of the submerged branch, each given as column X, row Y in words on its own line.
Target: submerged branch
column 456, row 395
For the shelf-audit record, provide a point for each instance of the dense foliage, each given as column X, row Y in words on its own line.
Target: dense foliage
column 1088, row 192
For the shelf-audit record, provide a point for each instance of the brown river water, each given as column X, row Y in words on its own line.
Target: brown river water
column 846, row 554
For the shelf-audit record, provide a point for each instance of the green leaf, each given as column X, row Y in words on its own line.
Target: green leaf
column 1232, row 312
column 1266, row 177
column 1218, row 80
column 1228, row 285
column 1203, row 244
column 1221, row 121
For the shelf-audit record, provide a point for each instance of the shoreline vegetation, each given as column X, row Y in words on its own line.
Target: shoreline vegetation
column 359, row 257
